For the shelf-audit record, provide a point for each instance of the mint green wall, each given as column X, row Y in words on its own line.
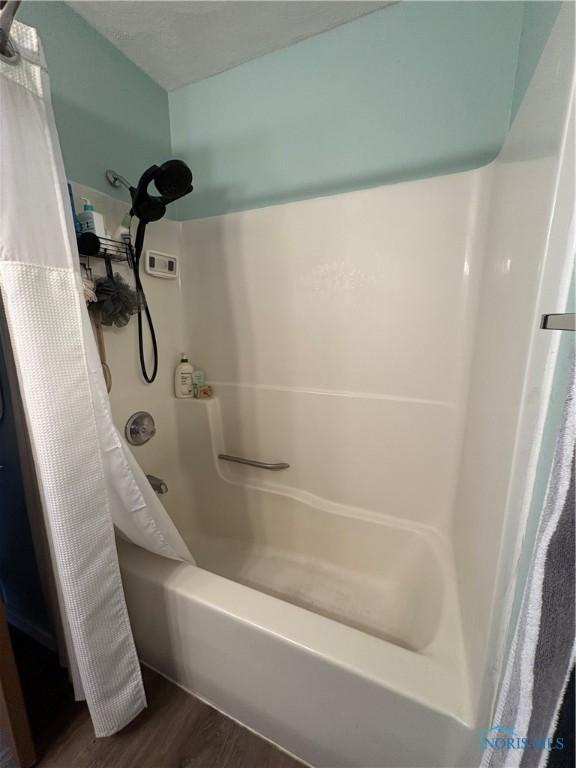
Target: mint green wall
column 414, row 90
column 537, row 22
column 108, row 112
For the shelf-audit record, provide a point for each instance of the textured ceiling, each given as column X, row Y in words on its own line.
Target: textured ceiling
column 179, row 42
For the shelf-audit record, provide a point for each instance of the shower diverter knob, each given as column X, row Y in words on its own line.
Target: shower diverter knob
column 140, row 428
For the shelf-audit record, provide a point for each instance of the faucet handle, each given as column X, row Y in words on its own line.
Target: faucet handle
column 158, row 484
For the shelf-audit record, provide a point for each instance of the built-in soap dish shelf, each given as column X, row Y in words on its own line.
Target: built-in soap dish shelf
column 113, row 250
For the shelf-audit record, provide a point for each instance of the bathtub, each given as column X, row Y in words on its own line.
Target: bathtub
column 334, row 635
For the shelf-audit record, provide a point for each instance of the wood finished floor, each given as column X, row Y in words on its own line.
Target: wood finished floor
column 6, row 759
column 176, row 731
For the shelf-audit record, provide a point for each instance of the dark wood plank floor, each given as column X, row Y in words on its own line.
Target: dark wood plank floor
column 6, row 757
column 176, row 731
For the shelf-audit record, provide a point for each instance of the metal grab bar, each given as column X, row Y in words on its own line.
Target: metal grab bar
column 251, row 463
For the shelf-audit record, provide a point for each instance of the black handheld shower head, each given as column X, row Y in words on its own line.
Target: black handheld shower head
column 172, row 179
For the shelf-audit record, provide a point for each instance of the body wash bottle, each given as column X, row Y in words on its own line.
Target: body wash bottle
column 183, row 384
column 90, row 220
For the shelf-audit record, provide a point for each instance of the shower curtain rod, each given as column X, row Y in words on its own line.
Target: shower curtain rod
column 8, row 10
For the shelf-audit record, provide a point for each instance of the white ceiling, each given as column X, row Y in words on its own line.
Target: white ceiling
column 177, row 42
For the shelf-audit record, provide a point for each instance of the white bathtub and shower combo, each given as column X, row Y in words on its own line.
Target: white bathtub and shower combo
column 343, row 518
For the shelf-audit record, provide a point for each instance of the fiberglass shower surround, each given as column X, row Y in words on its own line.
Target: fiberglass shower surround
column 88, row 479
column 374, row 570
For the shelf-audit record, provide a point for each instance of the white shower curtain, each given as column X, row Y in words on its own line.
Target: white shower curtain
column 87, row 476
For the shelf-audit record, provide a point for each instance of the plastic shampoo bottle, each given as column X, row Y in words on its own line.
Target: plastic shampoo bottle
column 183, row 383
column 90, row 220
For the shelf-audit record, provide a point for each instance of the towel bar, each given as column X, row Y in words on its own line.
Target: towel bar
column 565, row 321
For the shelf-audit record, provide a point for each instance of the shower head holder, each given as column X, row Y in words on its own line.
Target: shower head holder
column 116, row 180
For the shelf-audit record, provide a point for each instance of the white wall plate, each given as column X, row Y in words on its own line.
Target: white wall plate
column 160, row 264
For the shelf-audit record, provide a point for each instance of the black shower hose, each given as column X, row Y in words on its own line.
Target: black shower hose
column 143, row 305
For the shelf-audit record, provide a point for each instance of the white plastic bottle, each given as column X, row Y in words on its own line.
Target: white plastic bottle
column 90, row 220
column 183, row 382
